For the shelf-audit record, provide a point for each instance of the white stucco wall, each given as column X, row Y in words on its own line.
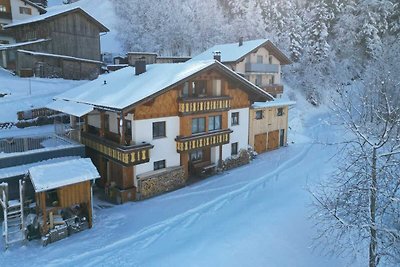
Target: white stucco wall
column 94, row 119
column 164, row 148
column 240, row 132
column 16, row 15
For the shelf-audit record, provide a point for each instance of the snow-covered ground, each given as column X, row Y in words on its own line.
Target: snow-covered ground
column 256, row 215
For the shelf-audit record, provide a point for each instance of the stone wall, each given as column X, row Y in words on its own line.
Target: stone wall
column 158, row 182
column 236, row 161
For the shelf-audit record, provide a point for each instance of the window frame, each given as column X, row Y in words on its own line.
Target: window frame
column 159, row 132
column 257, row 115
column 234, row 148
column 199, row 155
column 258, row 80
column 280, row 112
column 260, row 59
column 25, row 10
column 196, row 121
column 212, row 122
column 160, row 164
column 235, row 118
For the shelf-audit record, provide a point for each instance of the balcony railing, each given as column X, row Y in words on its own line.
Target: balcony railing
column 197, row 141
column 262, row 68
column 206, row 104
column 126, row 155
column 273, row 89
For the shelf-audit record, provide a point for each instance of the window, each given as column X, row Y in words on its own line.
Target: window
column 272, row 81
column 214, row 122
column 235, row 118
column 3, row 8
column 259, row 59
column 270, row 59
column 128, row 127
column 185, row 89
column 198, row 125
column 52, row 198
column 216, row 87
column 196, row 155
column 159, row 129
column 258, row 79
column 282, row 137
column 106, row 122
column 259, row 114
column 199, row 88
column 25, row 10
column 159, row 164
column 234, row 148
column 280, row 112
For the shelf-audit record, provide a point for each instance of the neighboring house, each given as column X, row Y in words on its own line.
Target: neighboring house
column 149, row 128
column 64, row 42
column 268, row 125
column 259, row 61
column 16, row 10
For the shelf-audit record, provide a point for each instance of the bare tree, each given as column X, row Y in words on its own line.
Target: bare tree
column 359, row 206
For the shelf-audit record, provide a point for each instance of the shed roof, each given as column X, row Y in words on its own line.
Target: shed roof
column 233, row 52
column 51, row 176
column 123, row 89
column 55, row 12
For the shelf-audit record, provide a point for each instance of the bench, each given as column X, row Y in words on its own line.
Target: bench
column 204, row 168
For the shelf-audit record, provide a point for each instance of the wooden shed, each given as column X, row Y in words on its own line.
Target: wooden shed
column 63, row 186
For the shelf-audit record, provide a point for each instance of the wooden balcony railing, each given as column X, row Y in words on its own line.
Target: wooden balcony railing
column 273, row 89
column 206, row 104
column 197, row 141
column 126, row 155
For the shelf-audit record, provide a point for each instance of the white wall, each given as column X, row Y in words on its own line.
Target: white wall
column 240, row 132
column 164, row 148
column 16, row 15
column 94, row 119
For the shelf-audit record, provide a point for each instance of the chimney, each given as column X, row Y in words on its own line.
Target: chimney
column 217, row 55
column 140, row 66
column 240, row 41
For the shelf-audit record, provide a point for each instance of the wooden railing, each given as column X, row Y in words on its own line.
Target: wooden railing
column 206, row 104
column 202, row 140
column 273, row 89
column 126, row 155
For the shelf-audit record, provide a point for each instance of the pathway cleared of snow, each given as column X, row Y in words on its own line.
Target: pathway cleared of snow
column 256, row 215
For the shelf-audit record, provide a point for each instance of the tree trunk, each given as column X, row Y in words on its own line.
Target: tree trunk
column 372, row 210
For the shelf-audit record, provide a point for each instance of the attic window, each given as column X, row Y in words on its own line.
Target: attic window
column 3, row 8
column 259, row 114
column 25, row 10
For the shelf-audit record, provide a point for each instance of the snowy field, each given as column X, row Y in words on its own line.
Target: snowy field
column 256, row 215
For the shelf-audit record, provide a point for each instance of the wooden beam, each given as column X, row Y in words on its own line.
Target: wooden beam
column 102, row 123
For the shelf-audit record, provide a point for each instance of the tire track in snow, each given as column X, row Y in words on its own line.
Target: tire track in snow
column 148, row 235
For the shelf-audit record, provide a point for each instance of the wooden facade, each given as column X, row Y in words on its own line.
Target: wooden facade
column 70, row 38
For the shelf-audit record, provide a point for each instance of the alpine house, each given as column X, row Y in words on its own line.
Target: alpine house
column 150, row 128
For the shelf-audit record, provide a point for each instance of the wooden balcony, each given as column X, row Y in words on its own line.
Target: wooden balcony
column 273, row 89
column 127, row 155
column 207, row 139
column 5, row 15
column 204, row 104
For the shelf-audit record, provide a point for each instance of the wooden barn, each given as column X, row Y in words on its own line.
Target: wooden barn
column 64, row 43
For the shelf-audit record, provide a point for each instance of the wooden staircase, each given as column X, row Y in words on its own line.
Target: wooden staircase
column 13, row 210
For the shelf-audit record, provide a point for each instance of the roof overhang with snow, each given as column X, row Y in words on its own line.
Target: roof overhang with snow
column 54, row 13
column 122, row 90
column 71, row 108
column 51, row 176
column 17, row 45
column 271, row 104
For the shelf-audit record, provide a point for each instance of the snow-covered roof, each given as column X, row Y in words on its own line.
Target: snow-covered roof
column 275, row 103
column 233, row 52
column 121, row 89
column 72, row 108
column 53, row 12
column 33, row 53
column 50, row 176
column 11, row 46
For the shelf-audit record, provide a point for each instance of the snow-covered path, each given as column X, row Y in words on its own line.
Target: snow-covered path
column 256, row 215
